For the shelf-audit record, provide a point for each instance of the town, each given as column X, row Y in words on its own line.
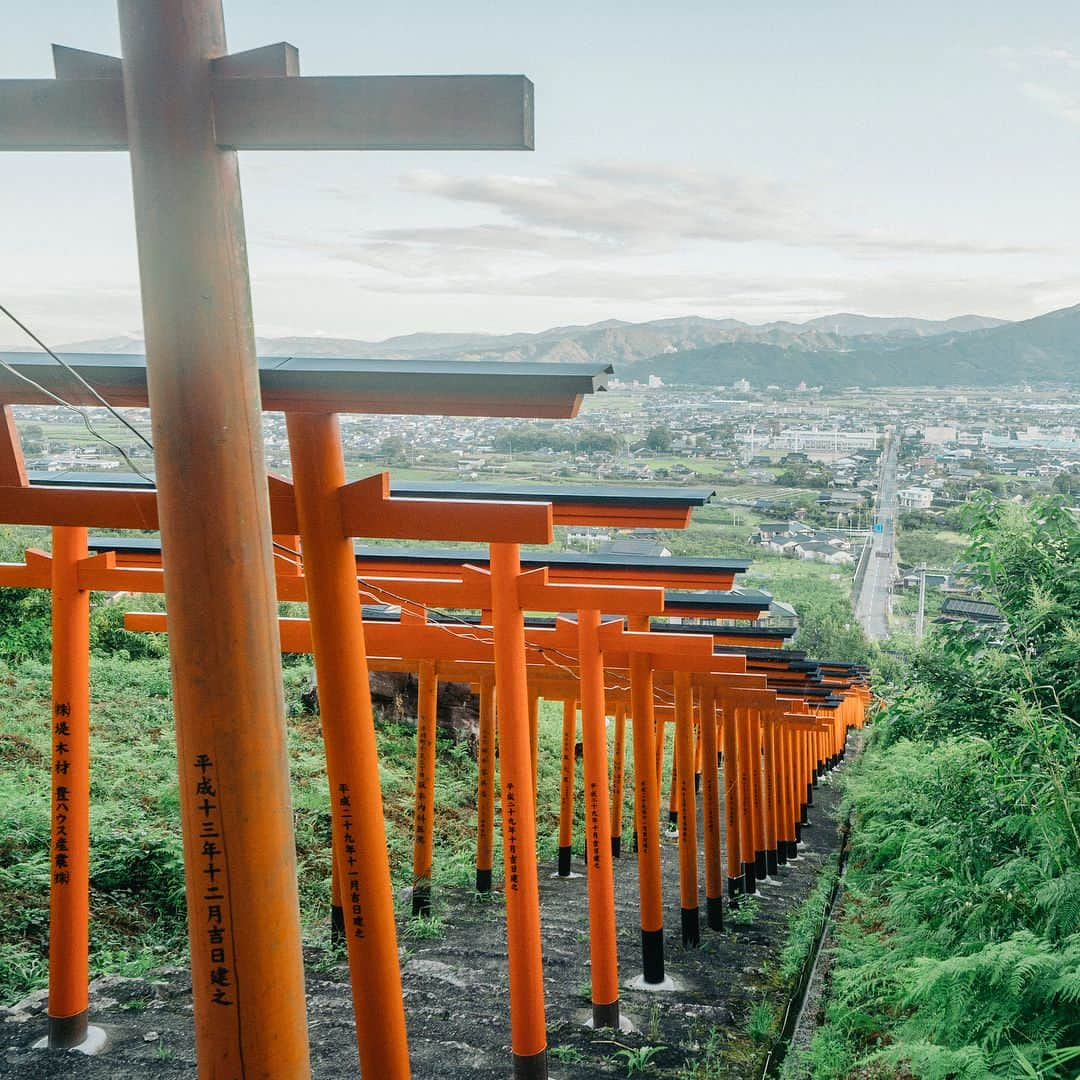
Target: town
column 795, row 472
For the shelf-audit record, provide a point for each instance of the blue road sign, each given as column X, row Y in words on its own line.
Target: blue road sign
column 879, row 527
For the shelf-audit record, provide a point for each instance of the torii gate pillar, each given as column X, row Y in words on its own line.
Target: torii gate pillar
column 239, row 852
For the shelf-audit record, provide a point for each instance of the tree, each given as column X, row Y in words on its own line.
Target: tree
column 1067, row 483
column 392, row 447
column 659, row 438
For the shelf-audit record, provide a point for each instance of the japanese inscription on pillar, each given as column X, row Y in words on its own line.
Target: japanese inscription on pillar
column 216, row 919
column 351, row 868
column 61, row 852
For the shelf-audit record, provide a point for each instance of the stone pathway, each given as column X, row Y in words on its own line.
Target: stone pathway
column 456, row 991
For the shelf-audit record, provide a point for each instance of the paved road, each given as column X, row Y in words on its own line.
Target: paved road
column 873, row 601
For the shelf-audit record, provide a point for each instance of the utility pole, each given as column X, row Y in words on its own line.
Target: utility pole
column 920, row 615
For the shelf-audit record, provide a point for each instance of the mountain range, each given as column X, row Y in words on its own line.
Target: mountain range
column 834, row 350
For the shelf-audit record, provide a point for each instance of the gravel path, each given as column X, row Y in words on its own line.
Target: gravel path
column 456, row 994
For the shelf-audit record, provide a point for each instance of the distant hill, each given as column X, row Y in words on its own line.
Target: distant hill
column 612, row 341
column 835, row 350
column 1039, row 350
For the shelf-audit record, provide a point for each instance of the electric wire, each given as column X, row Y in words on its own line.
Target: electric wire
column 79, row 378
column 81, row 412
column 415, row 607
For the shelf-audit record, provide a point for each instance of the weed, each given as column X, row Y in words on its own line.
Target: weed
column 745, row 911
column 424, row 928
column 638, row 1060
column 569, row 1054
column 654, row 1024
column 805, row 922
column 760, row 1024
column 709, row 1063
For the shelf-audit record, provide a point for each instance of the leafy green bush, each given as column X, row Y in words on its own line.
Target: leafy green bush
column 25, row 624
column 959, row 949
column 108, row 636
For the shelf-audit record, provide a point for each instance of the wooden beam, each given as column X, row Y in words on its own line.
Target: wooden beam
column 115, row 508
column 71, row 63
column 375, row 112
column 62, row 114
column 280, row 60
column 84, row 110
column 367, row 509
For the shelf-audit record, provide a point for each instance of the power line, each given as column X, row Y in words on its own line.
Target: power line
column 416, row 607
column 82, row 413
column 77, row 409
column 71, row 371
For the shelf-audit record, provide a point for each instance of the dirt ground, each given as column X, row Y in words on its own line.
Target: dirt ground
column 456, row 992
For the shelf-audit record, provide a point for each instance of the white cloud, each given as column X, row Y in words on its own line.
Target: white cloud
column 1062, row 105
column 1047, row 76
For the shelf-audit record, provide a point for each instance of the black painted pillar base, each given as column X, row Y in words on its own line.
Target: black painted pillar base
column 652, row 955
column 714, row 913
column 792, row 849
column 734, row 888
column 483, row 881
column 616, row 845
column 605, row 1016
column 421, row 900
column 66, row 1032
column 673, row 818
column 749, row 879
column 564, row 861
column 697, row 782
column 691, row 927
column 772, row 863
column 809, row 794
column 760, row 865
column 781, row 852
column 798, row 831
column 635, row 842
column 804, row 818
column 531, row 1066
column 337, row 925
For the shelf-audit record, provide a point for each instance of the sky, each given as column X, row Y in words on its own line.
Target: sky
column 757, row 160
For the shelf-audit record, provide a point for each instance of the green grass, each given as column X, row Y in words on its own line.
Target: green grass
column 137, row 890
column 958, row 940
column 805, row 922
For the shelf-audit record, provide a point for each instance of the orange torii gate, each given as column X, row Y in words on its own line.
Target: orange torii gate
column 433, row 565
column 104, row 573
column 144, row 579
column 71, row 564
column 765, row 813
column 742, row 605
column 752, row 801
column 591, row 645
column 362, row 501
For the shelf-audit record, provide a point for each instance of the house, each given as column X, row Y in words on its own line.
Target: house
column 768, row 530
column 587, row 537
column 976, row 611
column 822, row 552
column 915, row 498
column 779, row 615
